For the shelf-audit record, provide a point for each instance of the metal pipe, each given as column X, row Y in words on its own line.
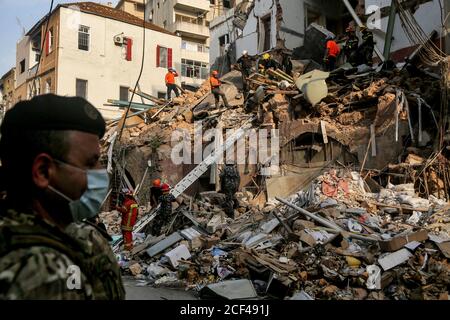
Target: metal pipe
column 326, row 222
column 359, row 22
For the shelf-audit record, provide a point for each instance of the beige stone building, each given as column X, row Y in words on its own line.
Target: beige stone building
column 135, row 7
column 7, row 86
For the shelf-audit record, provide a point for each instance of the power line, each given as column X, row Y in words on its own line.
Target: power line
column 139, row 77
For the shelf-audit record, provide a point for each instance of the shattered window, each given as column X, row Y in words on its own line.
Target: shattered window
column 194, row 69
column 163, row 61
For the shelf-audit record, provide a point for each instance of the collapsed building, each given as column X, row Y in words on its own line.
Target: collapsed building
column 354, row 205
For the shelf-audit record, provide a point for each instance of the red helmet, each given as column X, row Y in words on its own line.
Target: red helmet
column 157, row 183
column 165, row 187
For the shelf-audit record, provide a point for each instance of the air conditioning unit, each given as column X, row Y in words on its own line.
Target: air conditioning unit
column 118, row 39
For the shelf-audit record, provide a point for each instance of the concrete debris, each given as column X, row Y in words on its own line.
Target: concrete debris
column 357, row 210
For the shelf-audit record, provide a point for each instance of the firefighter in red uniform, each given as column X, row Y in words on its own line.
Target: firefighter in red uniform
column 129, row 210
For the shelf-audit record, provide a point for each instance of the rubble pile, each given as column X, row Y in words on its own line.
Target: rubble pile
column 285, row 253
column 377, row 228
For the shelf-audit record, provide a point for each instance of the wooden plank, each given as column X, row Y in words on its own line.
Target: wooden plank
column 373, row 139
column 324, row 131
column 287, row 185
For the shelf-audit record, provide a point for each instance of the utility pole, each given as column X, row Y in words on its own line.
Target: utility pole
column 390, row 30
column 447, row 26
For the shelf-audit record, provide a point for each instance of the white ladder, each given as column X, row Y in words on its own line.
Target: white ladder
column 194, row 175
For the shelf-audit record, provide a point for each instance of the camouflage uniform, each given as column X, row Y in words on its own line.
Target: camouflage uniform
column 164, row 214
column 230, row 180
column 35, row 256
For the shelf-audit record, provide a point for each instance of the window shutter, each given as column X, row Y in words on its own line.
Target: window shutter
column 47, row 43
column 169, row 58
column 157, row 56
column 129, row 49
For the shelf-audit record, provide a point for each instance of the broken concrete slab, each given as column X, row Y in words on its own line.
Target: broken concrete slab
column 216, row 223
column 394, row 259
column 313, row 85
column 231, row 290
column 399, row 242
column 445, row 248
column 270, row 225
column 164, row 244
column 190, row 233
column 301, row 295
column 285, row 186
column 176, row 255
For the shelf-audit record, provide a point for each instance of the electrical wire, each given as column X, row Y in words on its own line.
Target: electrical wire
column 138, row 79
column 431, row 54
column 42, row 46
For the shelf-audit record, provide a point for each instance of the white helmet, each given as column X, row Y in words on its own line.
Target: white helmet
column 244, row 53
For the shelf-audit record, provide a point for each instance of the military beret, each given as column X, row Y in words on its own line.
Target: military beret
column 52, row 112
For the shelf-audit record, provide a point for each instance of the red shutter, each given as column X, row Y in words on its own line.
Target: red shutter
column 129, row 49
column 157, row 56
column 169, row 58
column 47, row 43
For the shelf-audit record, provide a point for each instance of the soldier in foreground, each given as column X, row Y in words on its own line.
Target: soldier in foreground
column 54, row 183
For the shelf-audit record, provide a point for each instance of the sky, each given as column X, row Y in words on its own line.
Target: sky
column 16, row 18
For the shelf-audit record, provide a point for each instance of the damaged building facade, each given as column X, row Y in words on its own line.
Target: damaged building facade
column 263, row 25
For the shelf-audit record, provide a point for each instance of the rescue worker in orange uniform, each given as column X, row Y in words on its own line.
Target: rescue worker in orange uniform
column 170, row 83
column 331, row 53
column 129, row 210
column 215, row 89
column 155, row 192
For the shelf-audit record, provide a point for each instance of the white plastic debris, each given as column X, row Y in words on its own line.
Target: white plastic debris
column 374, row 280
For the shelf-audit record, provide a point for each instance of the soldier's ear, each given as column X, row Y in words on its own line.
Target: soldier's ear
column 42, row 168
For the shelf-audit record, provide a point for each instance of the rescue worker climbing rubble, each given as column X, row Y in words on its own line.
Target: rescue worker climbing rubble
column 351, row 45
column 53, row 185
column 365, row 50
column 266, row 63
column 229, row 182
column 245, row 63
column 215, row 89
column 155, row 192
column 129, row 210
column 165, row 211
column 331, row 53
column 170, row 83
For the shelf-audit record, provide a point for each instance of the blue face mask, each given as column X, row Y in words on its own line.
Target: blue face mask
column 88, row 206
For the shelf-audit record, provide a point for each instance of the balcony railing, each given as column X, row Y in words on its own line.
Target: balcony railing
column 31, row 72
column 193, row 5
column 190, row 28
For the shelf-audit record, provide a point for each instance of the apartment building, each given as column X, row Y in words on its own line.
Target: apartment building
column 134, row 7
column 190, row 20
column 7, row 87
column 94, row 51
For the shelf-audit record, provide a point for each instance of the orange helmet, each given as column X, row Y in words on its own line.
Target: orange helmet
column 215, row 73
column 157, row 183
column 165, row 187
